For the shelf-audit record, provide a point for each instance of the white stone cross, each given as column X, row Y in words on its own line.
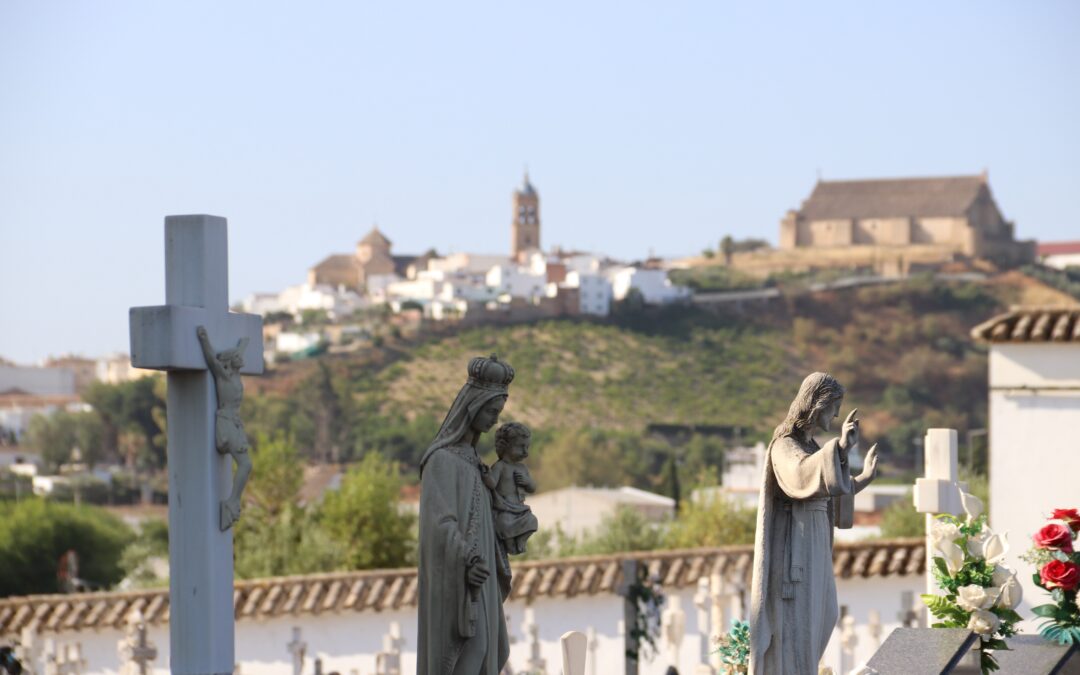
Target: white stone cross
column 297, row 648
column 673, row 628
column 574, row 647
column 594, row 647
column 939, row 491
column 848, row 641
column 201, row 625
column 535, row 663
column 135, row 649
column 388, row 661
column 702, row 603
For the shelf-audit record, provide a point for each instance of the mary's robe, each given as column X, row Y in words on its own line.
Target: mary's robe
column 805, row 492
column 457, row 635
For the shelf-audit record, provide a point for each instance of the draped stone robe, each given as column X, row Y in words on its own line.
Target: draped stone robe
column 805, row 492
column 457, row 635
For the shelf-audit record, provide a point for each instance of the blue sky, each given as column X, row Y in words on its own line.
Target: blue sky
column 646, row 127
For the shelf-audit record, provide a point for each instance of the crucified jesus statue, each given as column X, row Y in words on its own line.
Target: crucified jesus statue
column 229, row 434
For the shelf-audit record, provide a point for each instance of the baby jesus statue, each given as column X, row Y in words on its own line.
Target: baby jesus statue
column 507, row 479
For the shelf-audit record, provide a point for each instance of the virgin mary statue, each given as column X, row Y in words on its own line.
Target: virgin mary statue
column 806, row 490
column 462, row 579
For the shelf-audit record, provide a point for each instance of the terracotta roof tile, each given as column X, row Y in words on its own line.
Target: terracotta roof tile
column 388, row 589
column 1031, row 324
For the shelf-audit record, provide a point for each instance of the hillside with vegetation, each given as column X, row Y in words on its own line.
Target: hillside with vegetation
column 589, row 389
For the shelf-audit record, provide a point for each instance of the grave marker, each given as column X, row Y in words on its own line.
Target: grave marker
column 201, row 623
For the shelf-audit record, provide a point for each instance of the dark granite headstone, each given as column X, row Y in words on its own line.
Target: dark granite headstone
column 1033, row 655
column 924, row 651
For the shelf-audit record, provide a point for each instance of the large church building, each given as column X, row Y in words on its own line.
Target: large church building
column 954, row 215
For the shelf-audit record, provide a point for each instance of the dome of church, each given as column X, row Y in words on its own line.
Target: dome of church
column 527, row 188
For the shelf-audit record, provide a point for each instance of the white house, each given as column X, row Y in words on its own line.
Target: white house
column 342, row 618
column 580, row 509
column 337, row 302
column 1059, row 254
column 1034, row 422
column 654, row 285
column 594, row 292
column 517, row 281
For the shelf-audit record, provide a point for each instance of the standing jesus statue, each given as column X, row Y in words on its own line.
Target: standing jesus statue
column 229, row 436
column 806, row 490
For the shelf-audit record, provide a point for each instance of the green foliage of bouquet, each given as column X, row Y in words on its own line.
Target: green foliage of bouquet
column 1054, row 556
column 980, row 593
column 734, row 649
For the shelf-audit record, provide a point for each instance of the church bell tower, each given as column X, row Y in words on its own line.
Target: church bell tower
column 525, row 230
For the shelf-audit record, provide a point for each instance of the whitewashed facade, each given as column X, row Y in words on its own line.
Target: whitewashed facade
column 343, row 618
column 655, row 287
column 1034, row 423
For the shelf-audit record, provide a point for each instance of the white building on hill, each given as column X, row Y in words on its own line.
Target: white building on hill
column 1034, row 423
column 654, row 285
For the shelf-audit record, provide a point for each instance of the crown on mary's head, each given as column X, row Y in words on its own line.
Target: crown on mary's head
column 490, row 373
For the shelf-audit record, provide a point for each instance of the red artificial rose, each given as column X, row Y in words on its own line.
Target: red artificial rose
column 1063, row 575
column 1070, row 516
column 1055, row 536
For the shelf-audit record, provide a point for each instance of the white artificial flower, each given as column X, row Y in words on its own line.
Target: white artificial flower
column 943, row 532
column 988, row 546
column 973, row 506
column 1010, row 592
column 953, row 555
column 984, row 622
column 973, row 597
column 864, row 669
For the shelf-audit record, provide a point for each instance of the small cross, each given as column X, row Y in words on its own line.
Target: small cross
column 535, row 663
column 298, row 648
column 136, row 651
column 388, row 661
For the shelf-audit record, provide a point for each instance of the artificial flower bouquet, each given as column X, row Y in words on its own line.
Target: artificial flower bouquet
column 1055, row 557
column 981, row 594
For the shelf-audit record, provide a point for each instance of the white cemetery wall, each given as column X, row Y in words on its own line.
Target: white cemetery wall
column 349, row 641
column 1034, row 463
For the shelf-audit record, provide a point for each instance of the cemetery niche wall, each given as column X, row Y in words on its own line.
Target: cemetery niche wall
column 344, row 617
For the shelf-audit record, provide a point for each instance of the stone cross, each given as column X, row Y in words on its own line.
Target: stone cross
column 594, row 647
column 702, row 602
column 848, row 641
column 297, row 648
column 388, row 661
column 574, row 647
column 938, row 492
column 135, row 650
column 875, row 629
column 201, row 626
column 673, row 628
column 535, row 663
column 909, row 618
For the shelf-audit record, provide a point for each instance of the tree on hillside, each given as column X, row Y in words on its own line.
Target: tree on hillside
column 727, row 247
column 711, row 520
column 624, row 530
column 55, row 436
column 277, row 534
column 364, row 516
column 35, row 533
column 133, row 406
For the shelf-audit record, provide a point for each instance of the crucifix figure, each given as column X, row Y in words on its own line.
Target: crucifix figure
column 229, row 434
column 165, row 337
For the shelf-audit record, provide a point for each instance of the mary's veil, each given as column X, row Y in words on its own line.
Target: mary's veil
column 489, row 378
